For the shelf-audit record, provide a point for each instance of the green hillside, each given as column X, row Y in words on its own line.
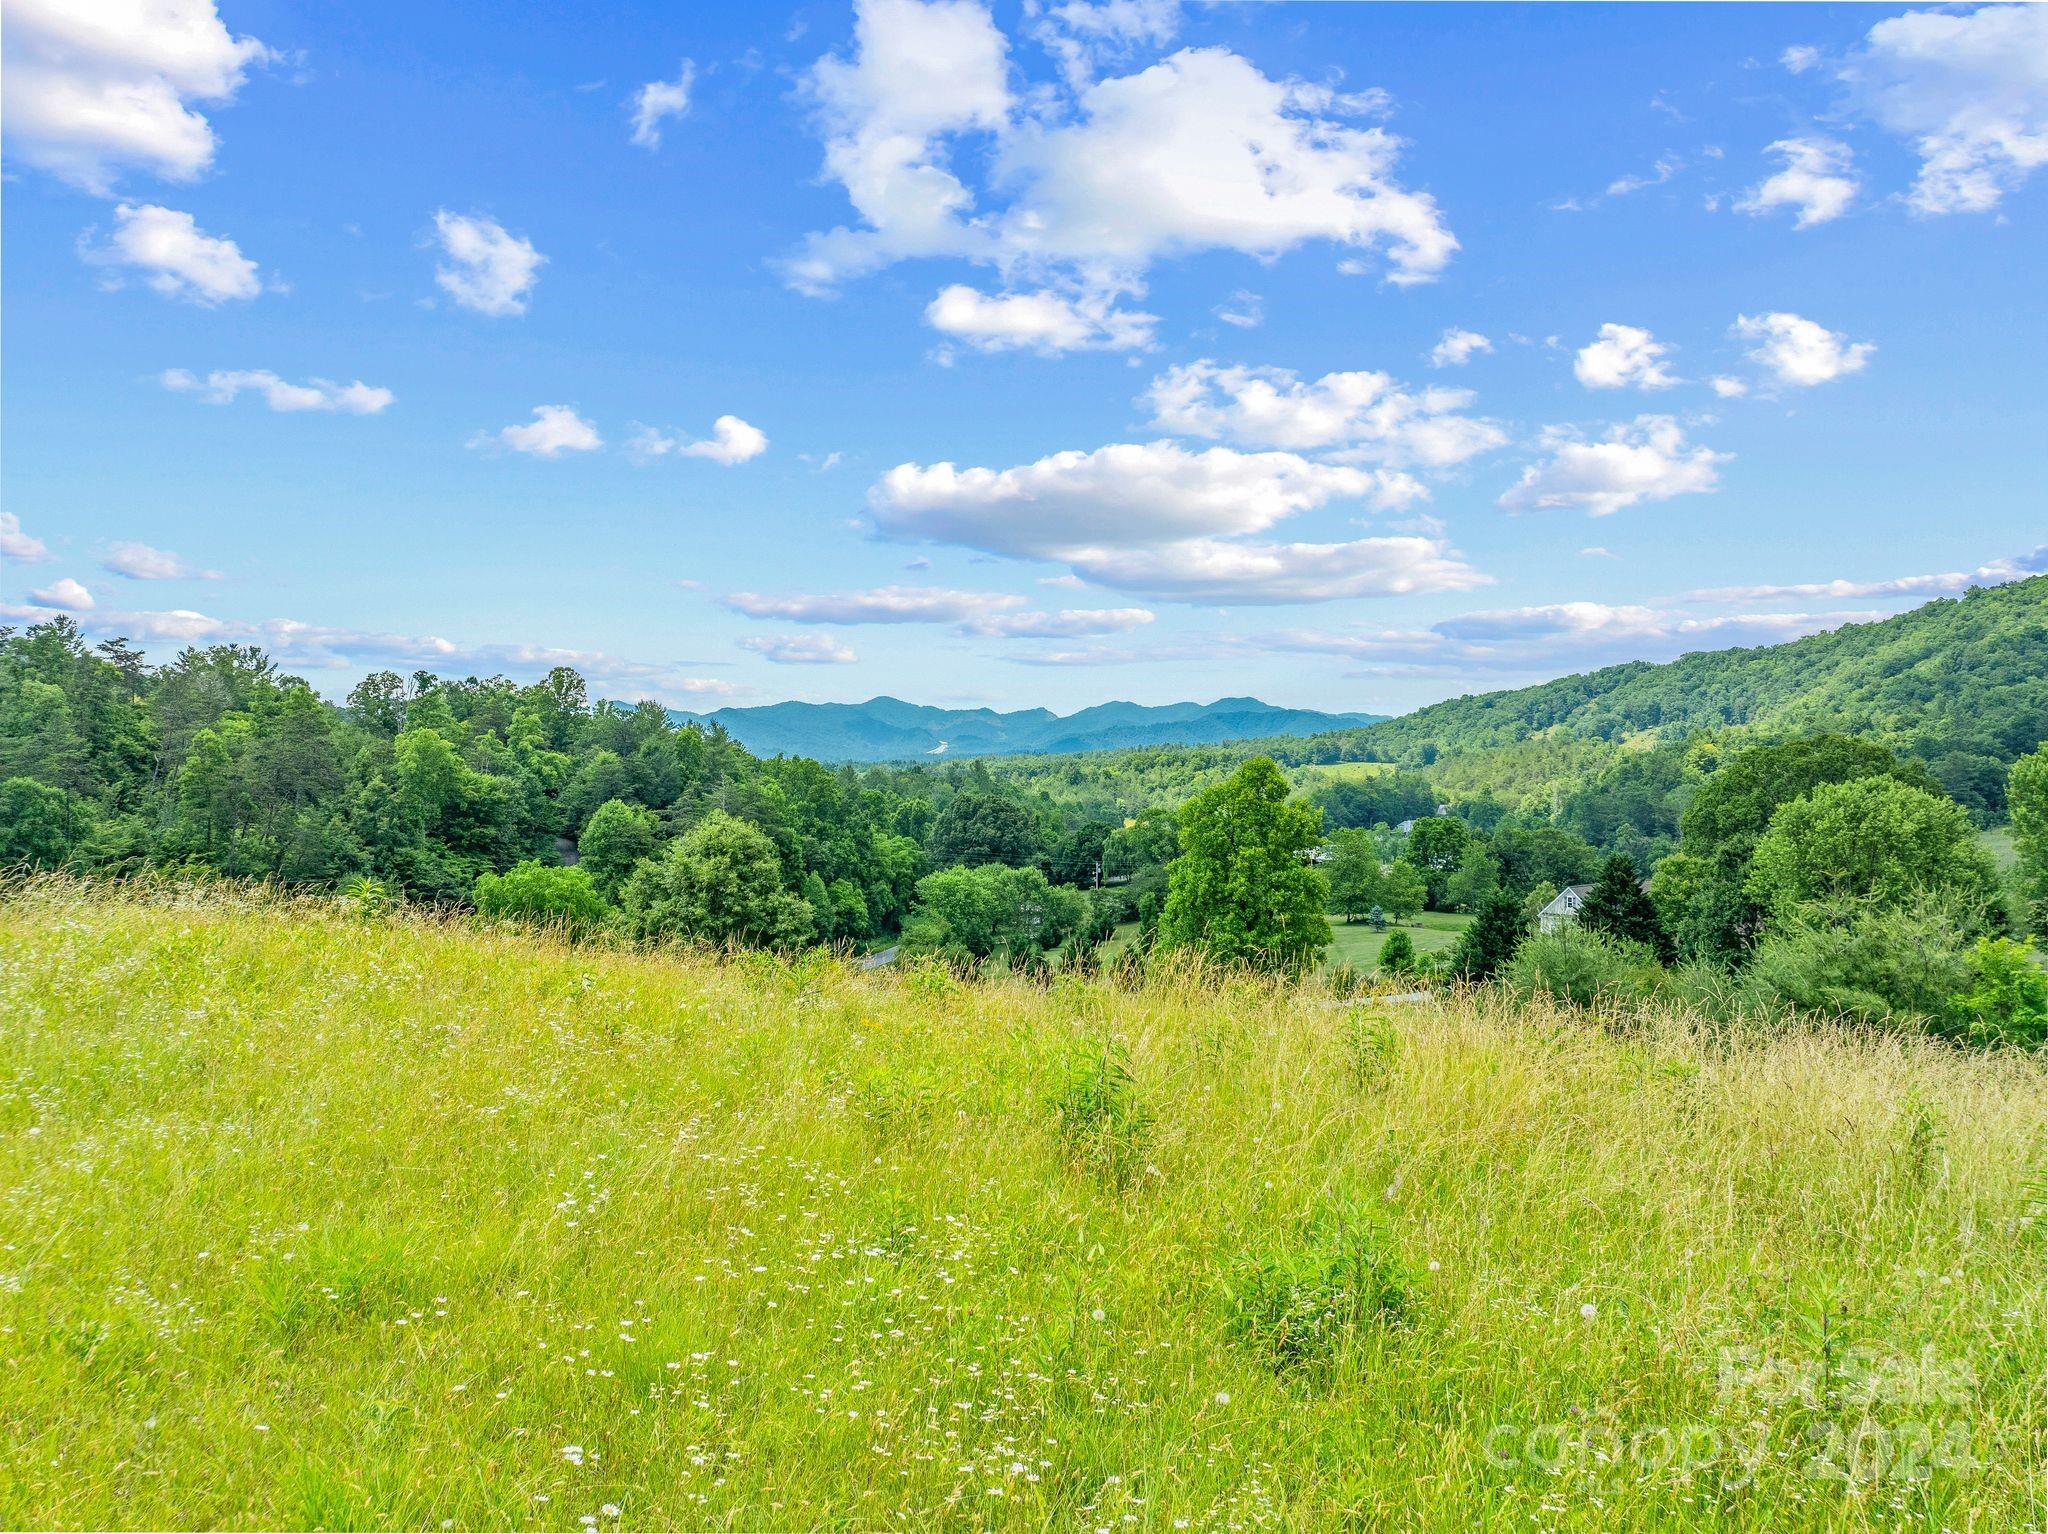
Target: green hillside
column 1964, row 677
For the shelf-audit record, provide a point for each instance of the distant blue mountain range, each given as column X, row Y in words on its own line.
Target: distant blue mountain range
column 888, row 729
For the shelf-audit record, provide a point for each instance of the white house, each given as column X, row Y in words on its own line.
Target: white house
column 1565, row 908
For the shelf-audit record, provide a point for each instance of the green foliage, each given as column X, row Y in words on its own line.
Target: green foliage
column 720, row 884
column 1585, row 966
column 2007, row 1002
column 542, row 896
column 979, row 828
column 1901, row 965
column 36, row 824
column 1301, row 1302
column 992, row 909
column 1353, row 870
column 1873, row 840
column 1242, row 890
column 1476, row 881
column 2027, row 799
column 1436, row 846
column 1491, row 941
column 615, row 838
column 368, row 899
column 1618, row 906
column 1734, row 806
column 1385, row 798
column 1404, row 890
column 1397, row 953
column 1371, row 1045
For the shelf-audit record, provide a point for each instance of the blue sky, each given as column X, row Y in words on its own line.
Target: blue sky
column 1350, row 356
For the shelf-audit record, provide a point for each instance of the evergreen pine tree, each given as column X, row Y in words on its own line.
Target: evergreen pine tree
column 1397, row 953
column 1619, row 906
column 1491, row 940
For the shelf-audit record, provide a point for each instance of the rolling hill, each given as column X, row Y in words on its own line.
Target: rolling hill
column 887, row 729
column 1964, row 676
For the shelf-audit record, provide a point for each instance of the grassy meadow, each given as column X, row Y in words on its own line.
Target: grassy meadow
column 310, row 1220
column 1358, row 945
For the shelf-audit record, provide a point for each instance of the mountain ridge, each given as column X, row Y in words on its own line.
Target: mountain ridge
column 886, row 728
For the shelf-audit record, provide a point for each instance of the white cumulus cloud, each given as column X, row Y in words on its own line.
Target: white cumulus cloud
column 1647, row 460
column 1211, row 570
column 1817, row 180
column 658, row 100
column 1156, row 518
column 94, row 86
column 1458, row 347
column 1799, row 351
column 1124, row 496
column 16, row 544
column 1368, row 416
column 486, row 268
column 731, row 441
column 222, row 385
column 1046, row 322
column 553, row 431
column 1970, row 90
column 1621, row 357
column 1200, row 151
column 67, row 594
column 174, row 256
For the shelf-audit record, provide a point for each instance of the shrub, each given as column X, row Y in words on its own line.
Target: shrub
column 1582, row 966
column 542, row 896
column 2007, row 1002
column 1397, row 953
column 1302, row 1303
column 367, row 899
column 1902, row 966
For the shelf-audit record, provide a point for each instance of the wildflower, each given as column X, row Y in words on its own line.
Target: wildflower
column 1589, row 1310
column 610, row 1510
column 1222, row 1398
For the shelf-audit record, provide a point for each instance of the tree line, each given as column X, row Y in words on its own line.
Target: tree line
column 1802, row 868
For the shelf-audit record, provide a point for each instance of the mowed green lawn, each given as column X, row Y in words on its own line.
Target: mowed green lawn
column 1320, row 774
column 312, row 1222
column 1999, row 843
column 1358, row 945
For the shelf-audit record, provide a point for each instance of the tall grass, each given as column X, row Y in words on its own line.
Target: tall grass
column 319, row 1220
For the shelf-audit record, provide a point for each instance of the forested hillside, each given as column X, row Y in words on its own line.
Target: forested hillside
column 1962, row 684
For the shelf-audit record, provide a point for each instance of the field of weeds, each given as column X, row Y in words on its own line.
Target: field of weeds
column 308, row 1220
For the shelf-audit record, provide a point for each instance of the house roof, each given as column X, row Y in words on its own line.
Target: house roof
column 1567, row 899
